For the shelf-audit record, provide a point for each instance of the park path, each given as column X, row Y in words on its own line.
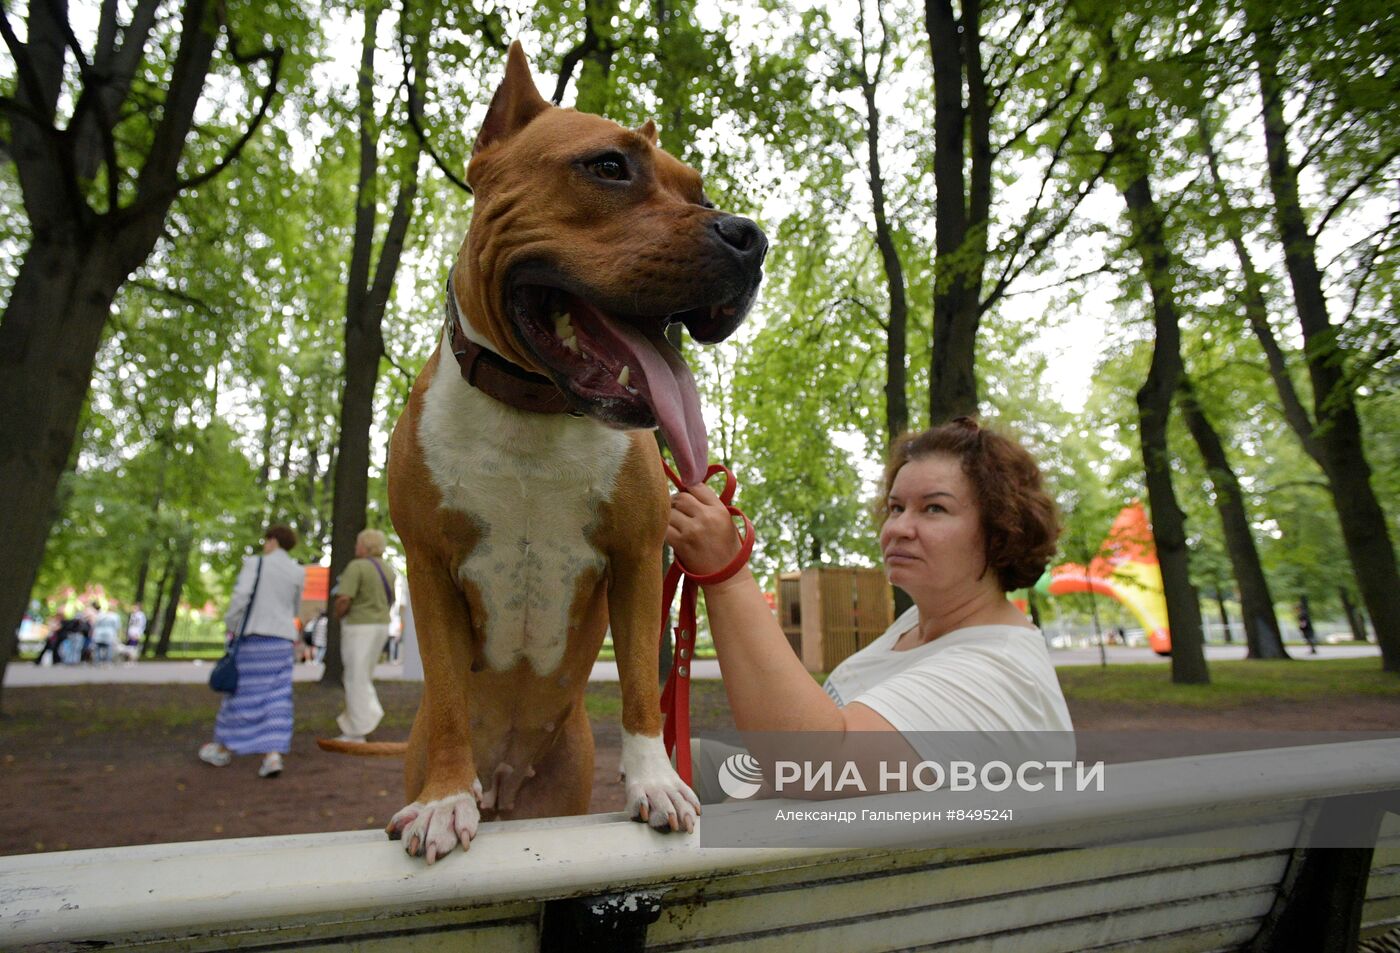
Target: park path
column 20, row 673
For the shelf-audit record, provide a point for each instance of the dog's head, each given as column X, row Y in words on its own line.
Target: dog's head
column 587, row 241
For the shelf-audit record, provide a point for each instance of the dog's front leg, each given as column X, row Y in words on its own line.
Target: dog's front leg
column 655, row 792
column 440, row 774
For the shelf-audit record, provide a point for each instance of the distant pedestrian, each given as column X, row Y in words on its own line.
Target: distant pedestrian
column 74, row 635
column 320, row 628
column 90, row 615
column 1305, row 625
column 306, row 642
column 106, row 630
column 135, row 632
column 52, row 641
column 395, row 645
column 363, row 595
column 257, row 717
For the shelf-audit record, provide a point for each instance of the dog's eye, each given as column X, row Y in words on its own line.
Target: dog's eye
column 611, row 168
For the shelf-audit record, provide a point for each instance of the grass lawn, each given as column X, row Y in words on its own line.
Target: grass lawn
column 709, row 705
column 1231, row 683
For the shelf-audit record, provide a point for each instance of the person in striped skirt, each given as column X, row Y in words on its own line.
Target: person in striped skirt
column 257, row 717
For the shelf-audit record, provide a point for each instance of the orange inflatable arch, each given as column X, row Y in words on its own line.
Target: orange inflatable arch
column 1126, row 569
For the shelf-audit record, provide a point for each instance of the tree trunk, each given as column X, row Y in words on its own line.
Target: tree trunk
column 1224, row 614
column 153, row 617
column 142, row 572
column 1256, row 603
column 1098, row 629
column 1256, row 310
column 351, row 494
column 1338, row 429
column 181, row 561
column 1169, row 532
column 1154, row 400
column 265, row 444
column 48, row 345
column 148, row 544
column 365, row 303
column 1355, row 622
column 896, row 327
column 1257, row 315
column 75, row 263
column 960, row 232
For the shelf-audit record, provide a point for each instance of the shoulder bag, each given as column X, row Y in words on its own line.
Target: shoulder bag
column 224, row 678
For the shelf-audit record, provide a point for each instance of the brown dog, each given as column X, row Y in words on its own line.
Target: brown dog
column 528, row 495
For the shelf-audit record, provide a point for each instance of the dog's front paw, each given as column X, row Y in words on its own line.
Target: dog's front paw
column 431, row 829
column 656, row 795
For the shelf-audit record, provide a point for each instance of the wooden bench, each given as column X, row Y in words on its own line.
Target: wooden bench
column 602, row 882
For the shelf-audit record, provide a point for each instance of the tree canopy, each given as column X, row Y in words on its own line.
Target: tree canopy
column 940, row 183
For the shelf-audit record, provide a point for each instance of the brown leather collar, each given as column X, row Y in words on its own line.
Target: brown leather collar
column 497, row 377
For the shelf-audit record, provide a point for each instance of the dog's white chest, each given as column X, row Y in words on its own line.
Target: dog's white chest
column 533, row 485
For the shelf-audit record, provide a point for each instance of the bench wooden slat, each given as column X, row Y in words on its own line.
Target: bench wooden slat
column 1380, row 914
column 1384, row 883
column 1014, row 892
column 975, row 888
column 980, row 927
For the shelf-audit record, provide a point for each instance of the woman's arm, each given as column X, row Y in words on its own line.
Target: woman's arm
column 346, row 588
column 242, row 591
column 768, row 688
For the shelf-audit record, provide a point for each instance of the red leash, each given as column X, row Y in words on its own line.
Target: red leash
column 675, row 698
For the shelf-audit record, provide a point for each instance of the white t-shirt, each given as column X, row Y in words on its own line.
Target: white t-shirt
column 980, row 679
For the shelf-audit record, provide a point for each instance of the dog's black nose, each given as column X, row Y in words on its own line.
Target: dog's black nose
column 744, row 236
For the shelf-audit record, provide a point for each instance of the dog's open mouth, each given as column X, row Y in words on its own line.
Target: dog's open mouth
column 620, row 368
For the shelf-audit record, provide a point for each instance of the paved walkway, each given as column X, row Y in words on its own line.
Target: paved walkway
column 22, row 673
column 1119, row 655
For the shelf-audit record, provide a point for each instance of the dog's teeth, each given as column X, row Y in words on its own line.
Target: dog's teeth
column 563, row 327
column 572, row 344
column 625, row 375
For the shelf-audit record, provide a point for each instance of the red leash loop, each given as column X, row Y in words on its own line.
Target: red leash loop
column 675, row 698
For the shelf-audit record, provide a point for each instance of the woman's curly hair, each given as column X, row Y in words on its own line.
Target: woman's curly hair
column 286, row 536
column 1020, row 523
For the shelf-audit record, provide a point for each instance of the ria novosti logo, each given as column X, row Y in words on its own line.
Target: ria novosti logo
column 740, row 775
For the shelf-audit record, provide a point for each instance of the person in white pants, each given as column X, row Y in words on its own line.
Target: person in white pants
column 363, row 595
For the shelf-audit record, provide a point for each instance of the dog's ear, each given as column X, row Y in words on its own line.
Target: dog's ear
column 516, row 102
column 647, row 131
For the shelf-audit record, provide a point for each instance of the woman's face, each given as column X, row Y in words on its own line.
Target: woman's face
column 932, row 539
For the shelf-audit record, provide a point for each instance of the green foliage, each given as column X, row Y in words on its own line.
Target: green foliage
column 214, row 402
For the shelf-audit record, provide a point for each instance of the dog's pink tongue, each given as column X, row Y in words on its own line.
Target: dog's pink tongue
column 665, row 381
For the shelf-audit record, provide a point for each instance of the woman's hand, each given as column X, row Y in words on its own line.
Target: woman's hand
column 701, row 531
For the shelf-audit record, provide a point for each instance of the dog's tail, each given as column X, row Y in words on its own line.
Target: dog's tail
column 364, row 749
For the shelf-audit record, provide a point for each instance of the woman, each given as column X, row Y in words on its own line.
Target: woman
column 966, row 519
column 257, row 717
column 363, row 596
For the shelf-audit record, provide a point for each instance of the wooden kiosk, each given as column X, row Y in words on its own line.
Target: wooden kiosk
column 829, row 613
